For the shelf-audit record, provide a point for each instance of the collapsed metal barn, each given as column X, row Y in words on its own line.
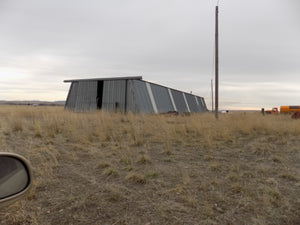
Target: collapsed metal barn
column 126, row 94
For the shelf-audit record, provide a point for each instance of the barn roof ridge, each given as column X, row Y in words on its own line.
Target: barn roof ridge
column 107, row 78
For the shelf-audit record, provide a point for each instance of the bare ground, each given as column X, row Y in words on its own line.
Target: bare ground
column 155, row 169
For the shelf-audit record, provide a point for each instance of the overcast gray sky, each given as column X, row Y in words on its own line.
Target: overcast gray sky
column 169, row 42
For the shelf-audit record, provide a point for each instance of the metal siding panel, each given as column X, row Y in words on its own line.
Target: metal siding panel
column 72, row 96
column 172, row 99
column 151, row 97
column 86, row 96
column 141, row 97
column 179, row 101
column 162, row 98
column 202, row 104
column 198, row 103
column 131, row 102
column 186, row 103
column 192, row 102
column 201, row 108
column 204, row 107
column 114, row 92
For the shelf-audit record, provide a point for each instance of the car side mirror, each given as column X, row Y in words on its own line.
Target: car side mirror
column 15, row 177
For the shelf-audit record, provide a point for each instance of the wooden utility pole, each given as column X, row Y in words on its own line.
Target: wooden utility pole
column 212, row 95
column 217, row 65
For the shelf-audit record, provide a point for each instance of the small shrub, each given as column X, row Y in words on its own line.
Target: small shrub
column 136, row 178
column 17, row 126
column 110, row 171
column 144, row 159
column 104, row 165
column 288, row 176
column 153, row 174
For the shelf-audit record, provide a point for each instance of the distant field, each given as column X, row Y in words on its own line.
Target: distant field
column 102, row 168
column 32, row 103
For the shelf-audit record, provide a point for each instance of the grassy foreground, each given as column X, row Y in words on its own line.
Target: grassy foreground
column 102, row 168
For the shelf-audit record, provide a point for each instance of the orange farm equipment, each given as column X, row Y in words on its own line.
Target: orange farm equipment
column 291, row 109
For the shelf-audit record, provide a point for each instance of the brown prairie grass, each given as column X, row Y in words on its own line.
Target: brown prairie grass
column 111, row 168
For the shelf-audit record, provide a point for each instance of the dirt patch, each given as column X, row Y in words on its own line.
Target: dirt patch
column 135, row 169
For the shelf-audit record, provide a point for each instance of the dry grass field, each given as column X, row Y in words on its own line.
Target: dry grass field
column 102, row 168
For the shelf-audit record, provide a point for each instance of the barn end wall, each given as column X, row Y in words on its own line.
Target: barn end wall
column 82, row 96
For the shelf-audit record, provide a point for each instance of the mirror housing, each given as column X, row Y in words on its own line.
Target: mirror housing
column 15, row 177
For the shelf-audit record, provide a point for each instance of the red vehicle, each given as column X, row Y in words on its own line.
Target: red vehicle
column 273, row 111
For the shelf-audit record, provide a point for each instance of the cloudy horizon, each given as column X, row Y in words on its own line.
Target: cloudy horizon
column 167, row 42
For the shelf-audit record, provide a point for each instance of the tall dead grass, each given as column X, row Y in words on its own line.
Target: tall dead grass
column 137, row 130
column 237, row 167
